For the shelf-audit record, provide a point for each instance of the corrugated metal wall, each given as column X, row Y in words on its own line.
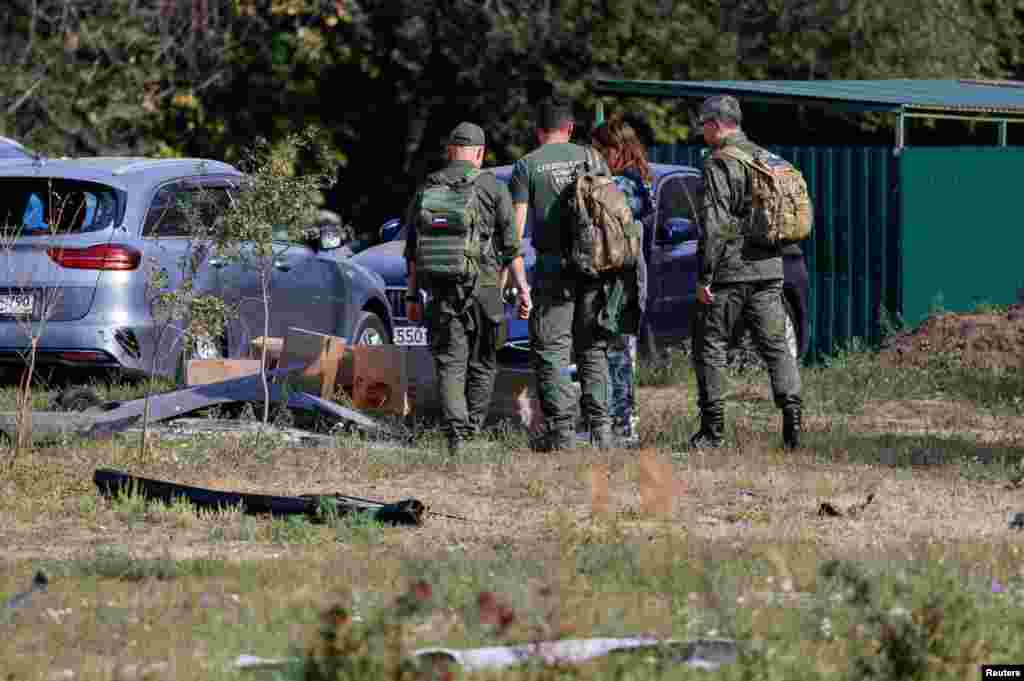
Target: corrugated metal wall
column 853, row 255
column 963, row 237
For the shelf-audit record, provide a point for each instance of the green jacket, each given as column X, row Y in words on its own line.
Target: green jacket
column 722, row 252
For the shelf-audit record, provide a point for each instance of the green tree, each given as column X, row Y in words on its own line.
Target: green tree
column 275, row 208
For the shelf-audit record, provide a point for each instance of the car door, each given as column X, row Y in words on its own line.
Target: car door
column 301, row 292
column 673, row 266
column 178, row 247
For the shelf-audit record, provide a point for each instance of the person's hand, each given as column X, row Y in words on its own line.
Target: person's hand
column 414, row 311
column 704, row 295
column 525, row 304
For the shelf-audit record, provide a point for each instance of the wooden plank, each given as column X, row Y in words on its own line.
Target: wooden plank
column 319, row 354
column 204, row 371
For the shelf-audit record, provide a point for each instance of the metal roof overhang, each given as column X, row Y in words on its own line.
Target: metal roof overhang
column 998, row 102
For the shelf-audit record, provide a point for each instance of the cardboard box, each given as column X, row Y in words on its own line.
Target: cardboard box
column 206, row 371
column 274, row 348
column 319, row 354
column 394, row 379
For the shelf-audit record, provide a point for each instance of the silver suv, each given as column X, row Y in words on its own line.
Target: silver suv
column 75, row 235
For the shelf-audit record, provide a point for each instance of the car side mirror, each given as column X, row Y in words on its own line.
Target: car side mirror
column 329, row 238
column 680, row 230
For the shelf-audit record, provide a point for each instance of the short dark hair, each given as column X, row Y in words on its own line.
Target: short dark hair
column 553, row 112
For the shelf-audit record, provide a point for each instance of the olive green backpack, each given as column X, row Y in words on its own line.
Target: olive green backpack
column 448, row 230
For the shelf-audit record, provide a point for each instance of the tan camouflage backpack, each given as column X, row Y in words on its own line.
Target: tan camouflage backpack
column 604, row 237
column 781, row 209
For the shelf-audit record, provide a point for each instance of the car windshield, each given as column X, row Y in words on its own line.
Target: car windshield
column 675, row 200
column 36, row 205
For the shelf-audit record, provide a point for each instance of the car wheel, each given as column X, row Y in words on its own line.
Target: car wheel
column 370, row 330
column 78, row 399
column 211, row 348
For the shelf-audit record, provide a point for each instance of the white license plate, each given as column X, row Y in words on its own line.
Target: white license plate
column 411, row 335
column 16, row 304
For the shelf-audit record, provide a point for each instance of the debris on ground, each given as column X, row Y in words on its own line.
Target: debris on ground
column 100, row 423
column 39, row 584
column 1017, row 521
column 705, row 654
column 827, row 509
column 316, row 507
column 978, row 341
column 187, row 429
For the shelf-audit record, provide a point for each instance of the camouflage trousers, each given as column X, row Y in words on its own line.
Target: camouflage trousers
column 759, row 304
column 465, row 355
column 622, row 375
column 563, row 326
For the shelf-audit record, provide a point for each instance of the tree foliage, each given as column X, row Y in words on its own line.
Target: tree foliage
column 387, row 79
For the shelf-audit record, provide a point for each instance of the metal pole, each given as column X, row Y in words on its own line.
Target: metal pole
column 1002, row 133
column 901, row 132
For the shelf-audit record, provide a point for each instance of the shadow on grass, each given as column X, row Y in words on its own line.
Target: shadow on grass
column 976, row 459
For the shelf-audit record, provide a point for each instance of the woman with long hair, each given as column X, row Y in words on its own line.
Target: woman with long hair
column 619, row 144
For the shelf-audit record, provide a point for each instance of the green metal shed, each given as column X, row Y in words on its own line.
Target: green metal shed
column 898, row 230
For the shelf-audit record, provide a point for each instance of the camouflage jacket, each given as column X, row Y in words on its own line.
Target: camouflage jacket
column 722, row 252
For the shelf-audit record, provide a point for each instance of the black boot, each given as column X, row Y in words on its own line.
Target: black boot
column 601, row 436
column 710, row 435
column 555, row 440
column 791, row 426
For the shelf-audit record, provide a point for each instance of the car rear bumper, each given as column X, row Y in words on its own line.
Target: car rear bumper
column 81, row 345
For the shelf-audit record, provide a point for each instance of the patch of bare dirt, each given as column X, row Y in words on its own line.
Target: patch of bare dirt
column 982, row 341
column 929, row 417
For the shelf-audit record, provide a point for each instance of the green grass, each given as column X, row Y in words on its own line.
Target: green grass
column 887, row 620
column 357, row 528
column 114, row 562
column 46, row 390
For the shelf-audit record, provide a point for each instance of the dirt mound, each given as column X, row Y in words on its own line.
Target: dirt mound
column 989, row 341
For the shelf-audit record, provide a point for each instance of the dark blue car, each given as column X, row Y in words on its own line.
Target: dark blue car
column 672, row 277
column 11, row 150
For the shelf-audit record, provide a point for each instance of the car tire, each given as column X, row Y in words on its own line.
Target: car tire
column 370, row 330
column 208, row 348
column 78, row 399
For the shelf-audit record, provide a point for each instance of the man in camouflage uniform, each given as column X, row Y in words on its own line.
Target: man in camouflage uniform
column 564, row 322
column 736, row 280
column 466, row 322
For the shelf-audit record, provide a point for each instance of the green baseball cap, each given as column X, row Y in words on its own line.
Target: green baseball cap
column 467, row 135
column 720, row 106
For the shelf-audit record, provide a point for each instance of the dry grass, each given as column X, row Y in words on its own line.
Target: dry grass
column 749, row 504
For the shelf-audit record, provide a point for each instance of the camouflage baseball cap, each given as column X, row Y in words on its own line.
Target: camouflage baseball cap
column 720, row 106
column 466, row 135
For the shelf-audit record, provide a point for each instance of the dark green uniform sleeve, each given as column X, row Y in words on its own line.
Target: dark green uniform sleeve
column 410, row 228
column 716, row 219
column 506, row 243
